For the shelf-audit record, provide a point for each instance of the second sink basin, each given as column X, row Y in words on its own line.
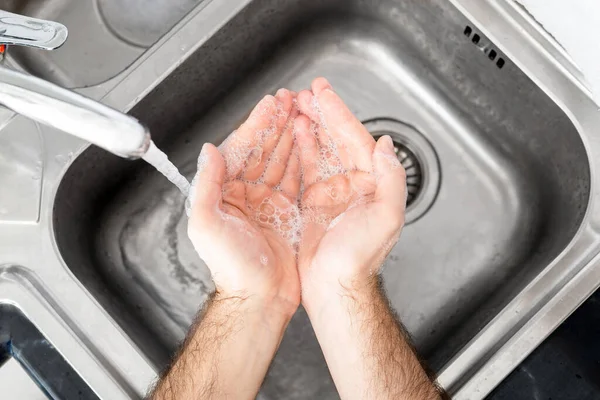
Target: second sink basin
column 499, row 174
column 105, row 36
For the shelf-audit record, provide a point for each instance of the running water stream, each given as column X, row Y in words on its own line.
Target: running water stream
column 159, row 160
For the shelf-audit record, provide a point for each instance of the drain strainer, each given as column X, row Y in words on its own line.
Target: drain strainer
column 418, row 159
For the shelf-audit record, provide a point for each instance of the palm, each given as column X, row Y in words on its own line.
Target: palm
column 266, row 215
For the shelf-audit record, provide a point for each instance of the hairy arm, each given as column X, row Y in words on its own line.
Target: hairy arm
column 367, row 350
column 365, row 347
column 227, row 352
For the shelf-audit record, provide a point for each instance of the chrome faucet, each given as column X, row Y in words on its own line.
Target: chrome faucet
column 19, row 30
column 57, row 107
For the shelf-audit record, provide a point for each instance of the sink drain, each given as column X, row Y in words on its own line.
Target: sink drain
column 418, row 159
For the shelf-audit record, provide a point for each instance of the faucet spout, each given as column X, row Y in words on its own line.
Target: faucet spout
column 60, row 108
column 73, row 113
column 20, row 30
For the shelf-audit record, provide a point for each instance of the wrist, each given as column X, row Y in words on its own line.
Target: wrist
column 271, row 306
column 321, row 296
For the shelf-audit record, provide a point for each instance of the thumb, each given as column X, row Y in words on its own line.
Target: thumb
column 391, row 176
column 206, row 193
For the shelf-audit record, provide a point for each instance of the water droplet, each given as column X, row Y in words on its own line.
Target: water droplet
column 64, row 158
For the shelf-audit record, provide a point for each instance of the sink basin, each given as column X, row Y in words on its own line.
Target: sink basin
column 105, row 36
column 35, row 369
column 500, row 177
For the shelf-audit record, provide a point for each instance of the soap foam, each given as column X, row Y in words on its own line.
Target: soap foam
column 285, row 220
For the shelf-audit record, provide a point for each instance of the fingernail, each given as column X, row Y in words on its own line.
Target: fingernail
column 202, row 158
column 388, row 144
column 205, row 147
column 327, row 83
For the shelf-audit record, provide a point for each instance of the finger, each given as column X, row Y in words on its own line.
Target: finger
column 335, row 157
column 307, row 105
column 286, row 97
column 309, row 151
column 237, row 147
column 257, row 160
column 294, row 100
column 364, row 186
column 278, row 161
column 391, row 185
column 207, row 193
column 346, row 130
column 290, row 183
column 255, row 165
column 320, row 84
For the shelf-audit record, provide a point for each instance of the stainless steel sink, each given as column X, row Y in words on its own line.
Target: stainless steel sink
column 105, row 36
column 494, row 123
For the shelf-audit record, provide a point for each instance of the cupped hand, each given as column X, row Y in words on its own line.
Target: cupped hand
column 351, row 190
column 354, row 195
column 245, row 216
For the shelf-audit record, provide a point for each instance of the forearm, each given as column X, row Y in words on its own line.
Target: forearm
column 227, row 352
column 366, row 350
